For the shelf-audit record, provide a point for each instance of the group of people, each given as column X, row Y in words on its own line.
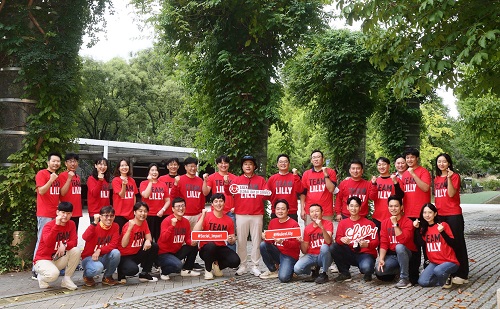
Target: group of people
column 157, row 230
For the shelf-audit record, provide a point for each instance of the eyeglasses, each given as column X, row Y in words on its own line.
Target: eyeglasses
column 108, row 216
column 179, row 206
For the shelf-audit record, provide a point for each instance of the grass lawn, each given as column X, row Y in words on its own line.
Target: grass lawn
column 481, row 198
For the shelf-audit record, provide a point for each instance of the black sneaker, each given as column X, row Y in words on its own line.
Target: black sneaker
column 367, row 277
column 322, row 278
column 198, row 267
column 314, row 275
column 34, row 275
column 342, row 277
column 146, row 277
column 448, row 284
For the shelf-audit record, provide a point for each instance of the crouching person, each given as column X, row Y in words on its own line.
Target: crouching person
column 57, row 249
column 216, row 254
column 101, row 248
column 137, row 247
column 280, row 255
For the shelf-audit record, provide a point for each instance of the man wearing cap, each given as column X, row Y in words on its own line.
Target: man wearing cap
column 249, row 210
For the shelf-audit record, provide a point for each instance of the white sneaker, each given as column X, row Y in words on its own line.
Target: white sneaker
column 68, row 283
column 42, row 284
column 269, row 274
column 209, row 275
column 189, row 273
column 255, row 271
column 216, row 270
column 334, row 268
column 165, row 277
column 458, row 280
column 241, row 271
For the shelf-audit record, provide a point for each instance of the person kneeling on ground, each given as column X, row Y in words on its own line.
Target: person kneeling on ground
column 280, row 253
column 57, row 249
column 136, row 247
column 216, row 254
column 101, row 248
column 356, row 243
column 315, row 246
column 175, row 243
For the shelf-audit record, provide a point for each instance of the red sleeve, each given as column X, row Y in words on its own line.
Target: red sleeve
column 455, row 181
column 339, row 198
column 93, row 188
column 297, row 184
column 340, row 232
column 384, row 237
column 426, row 176
column 89, row 233
column 116, row 184
column 373, row 191
column 175, row 192
column 333, row 175
column 143, row 186
column 407, row 235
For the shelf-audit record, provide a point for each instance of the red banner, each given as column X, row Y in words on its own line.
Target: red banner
column 283, row 233
column 209, row 235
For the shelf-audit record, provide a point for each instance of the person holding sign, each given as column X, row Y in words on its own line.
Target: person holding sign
column 356, row 243
column 315, row 246
column 216, row 254
column 280, row 253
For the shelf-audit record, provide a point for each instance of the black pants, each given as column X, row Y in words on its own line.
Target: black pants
column 224, row 256
column 121, row 220
column 129, row 264
column 456, row 223
column 77, row 221
column 154, row 223
column 416, row 257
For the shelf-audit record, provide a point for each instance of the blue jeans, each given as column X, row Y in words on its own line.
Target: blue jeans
column 436, row 275
column 323, row 260
column 344, row 257
column 271, row 256
column 397, row 263
column 233, row 217
column 41, row 221
column 108, row 261
column 171, row 262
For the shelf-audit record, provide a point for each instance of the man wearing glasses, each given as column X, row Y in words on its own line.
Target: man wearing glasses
column 71, row 190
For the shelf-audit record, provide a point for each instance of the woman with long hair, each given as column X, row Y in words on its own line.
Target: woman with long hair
column 98, row 187
column 124, row 191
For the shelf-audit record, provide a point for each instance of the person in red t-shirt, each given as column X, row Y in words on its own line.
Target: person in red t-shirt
column 98, row 187
column 319, row 185
column 285, row 185
column 155, row 194
column 439, row 244
column 356, row 243
column 101, row 248
column 124, row 191
column 400, row 165
column 137, row 247
column 58, row 250
column 353, row 186
column 71, row 188
column 315, row 246
column 172, row 165
column 282, row 253
column 447, row 200
column 216, row 254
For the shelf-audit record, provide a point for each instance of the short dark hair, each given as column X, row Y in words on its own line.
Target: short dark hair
column 176, row 160
column 448, row 158
column 394, row 197
column 356, row 161
column 54, row 153
column 190, row 160
column 317, row 150
column 356, row 198
column 65, row 206
column 217, row 196
column 412, row 151
column 178, row 200
column 139, row 205
column 107, row 210
column 282, row 155
column 400, row 156
column 222, row 158
column 316, row 205
column 383, row 159
column 282, row 201
column 71, row 155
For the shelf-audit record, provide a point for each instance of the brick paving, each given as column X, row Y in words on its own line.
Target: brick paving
column 248, row 291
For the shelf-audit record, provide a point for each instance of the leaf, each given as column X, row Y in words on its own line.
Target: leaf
column 248, row 42
column 188, row 291
column 344, row 296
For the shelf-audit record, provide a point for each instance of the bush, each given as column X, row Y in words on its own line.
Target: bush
column 490, row 184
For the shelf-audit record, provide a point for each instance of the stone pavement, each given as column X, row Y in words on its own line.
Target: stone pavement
column 482, row 234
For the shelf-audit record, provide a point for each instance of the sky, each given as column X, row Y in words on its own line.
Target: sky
column 124, row 37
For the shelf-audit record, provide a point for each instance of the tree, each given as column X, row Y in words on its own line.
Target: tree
column 430, row 38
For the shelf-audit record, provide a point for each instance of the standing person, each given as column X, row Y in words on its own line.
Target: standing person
column 215, row 184
column 216, row 254
column 175, row 243
column 101, row 248
column 396, row 244
column 124, row 191
column 98, row 188
column 71, row 190
column 249, row 210
column 447, row 199
column 355, row 244
column 280, row 255
column 155, row 194
column 382, row 187
column 439, row 244
column 315, row 246
column 48, row 188
column 319, row 184
column 285, row 185
column 401, row 166
column 172, row 165
column 137, row 247
column 57, row 249
column 353, row 186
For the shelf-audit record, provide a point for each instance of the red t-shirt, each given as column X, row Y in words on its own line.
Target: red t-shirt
column 216, row 183
column 446, row 205
column 389, row 240
column 415, row 198
column 285, row 187
column 190, row 189
column 169, row 181
column 379, row 194
column 97, row 195
column 124, row 206
column 362, row 229
column 156, row 200
column 74, row 194
column 137, row 238
column 438, row 250
column 46, row 204
column 53, row 236
column 316, row 191
column 98, row 238
column 290, row 246
column 314, row 236
column 212, row 223
column 249, row 203
column 348, row 188
column 172, row 238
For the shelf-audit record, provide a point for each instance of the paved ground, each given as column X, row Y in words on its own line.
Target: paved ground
column 482, row 234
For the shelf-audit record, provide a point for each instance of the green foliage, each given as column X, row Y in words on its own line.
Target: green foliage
column 490, row 184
